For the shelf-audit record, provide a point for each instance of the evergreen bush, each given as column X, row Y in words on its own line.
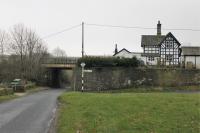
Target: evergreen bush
column 109, row 62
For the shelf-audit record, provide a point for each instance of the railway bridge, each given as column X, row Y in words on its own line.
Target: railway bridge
column 59, row 70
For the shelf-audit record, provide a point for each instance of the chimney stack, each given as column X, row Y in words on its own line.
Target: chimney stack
column 159, row 29
column 116, row 50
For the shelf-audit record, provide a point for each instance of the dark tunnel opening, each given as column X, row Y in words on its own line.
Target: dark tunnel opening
column 59, row 78
column 56, row 78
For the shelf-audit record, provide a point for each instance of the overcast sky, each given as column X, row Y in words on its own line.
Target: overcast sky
column 49, row 16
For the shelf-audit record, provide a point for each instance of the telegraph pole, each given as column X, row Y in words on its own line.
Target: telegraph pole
column 82, row 64
column 82, row 39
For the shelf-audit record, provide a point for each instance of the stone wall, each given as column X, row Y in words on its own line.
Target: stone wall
column 117, row 78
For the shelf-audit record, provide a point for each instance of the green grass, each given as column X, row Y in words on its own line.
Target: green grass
column 144, row 89
column 129, row 113
column 7, row 97
column 6, row 94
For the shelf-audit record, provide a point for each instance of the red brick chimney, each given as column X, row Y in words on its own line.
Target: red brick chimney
column 159, row 29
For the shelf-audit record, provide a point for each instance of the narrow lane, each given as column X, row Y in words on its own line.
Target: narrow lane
column 29, row 114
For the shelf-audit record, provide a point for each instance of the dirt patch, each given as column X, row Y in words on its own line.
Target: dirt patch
column 20, row 94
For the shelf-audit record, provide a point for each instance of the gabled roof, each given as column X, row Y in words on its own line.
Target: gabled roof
column 192, row 51
column 151, row 40
column 170, row 35
column 156, row 40
column 121, row 51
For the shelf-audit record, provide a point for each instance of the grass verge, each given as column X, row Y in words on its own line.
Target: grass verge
column 129, row 113
column 7, row 97
column 144, row 89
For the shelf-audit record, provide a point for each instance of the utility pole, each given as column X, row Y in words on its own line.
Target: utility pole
column 82, row 39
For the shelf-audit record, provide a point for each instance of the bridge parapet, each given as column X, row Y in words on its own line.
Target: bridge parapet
column 60, row 60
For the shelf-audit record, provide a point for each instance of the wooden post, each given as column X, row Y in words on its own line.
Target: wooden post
column 82, row 39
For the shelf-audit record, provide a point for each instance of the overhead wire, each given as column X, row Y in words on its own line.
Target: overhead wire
column 116, row 26
column 137, row 27
column 59, row 32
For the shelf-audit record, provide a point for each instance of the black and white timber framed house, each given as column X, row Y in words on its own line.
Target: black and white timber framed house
column 161, row 49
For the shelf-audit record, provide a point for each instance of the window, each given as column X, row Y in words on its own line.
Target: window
column 152, row 49
column 150, row 58
column 169, row 45
column 169, row 57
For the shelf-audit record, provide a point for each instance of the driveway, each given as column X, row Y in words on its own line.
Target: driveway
column 29, row 114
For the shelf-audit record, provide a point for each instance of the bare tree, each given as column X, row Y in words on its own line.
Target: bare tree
column 26, row 51
column 59, row 55
column 18, row 37
column 36, row 50
column 4, row 41
column 58, row 52
column 28, row 46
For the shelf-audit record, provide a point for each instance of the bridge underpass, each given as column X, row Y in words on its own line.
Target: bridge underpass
column 60, row 78
column 59, row 71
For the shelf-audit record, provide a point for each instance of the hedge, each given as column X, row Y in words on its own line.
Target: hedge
column 109, row 62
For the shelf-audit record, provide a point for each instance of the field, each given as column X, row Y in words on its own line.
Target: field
column 129, row 113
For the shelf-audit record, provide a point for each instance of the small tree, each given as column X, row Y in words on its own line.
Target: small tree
column 58, row 52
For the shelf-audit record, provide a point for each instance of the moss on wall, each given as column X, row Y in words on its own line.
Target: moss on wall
column 120, row 77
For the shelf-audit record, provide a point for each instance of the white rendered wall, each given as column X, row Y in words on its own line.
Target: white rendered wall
column 126, row 54
column 155, row 62
column 198, row 61
column 192, row 59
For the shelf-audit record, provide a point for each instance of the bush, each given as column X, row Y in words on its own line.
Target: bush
column 30, row 85
column 5, row 91
column 109, row 62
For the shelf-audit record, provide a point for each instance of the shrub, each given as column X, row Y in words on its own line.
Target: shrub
column 30, row 85
column 5, row 91
column 109, row 62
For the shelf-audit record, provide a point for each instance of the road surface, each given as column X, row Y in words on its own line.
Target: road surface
column 29, row 114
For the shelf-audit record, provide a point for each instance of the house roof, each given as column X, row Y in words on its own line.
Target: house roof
column 187, row 50
column 121, row 51
column 170, row 35
column 155, row 39
column 151, row 39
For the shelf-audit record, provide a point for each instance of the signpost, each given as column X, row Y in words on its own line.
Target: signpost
column 82, row 74
column 87, row 71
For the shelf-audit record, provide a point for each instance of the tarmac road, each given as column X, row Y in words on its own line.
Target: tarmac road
column 29, row 114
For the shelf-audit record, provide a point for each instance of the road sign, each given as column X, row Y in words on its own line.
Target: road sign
column 88, row 71
column 82, row 64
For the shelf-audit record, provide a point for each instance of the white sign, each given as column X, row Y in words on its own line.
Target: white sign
column 88, row 71
column 82, row 64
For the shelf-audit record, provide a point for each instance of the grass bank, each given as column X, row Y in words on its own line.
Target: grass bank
column 8, row 94
column 7, row 97
column 129, row 113
column 149, row 89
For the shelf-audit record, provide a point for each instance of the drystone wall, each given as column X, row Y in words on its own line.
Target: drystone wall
column 118, row 78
